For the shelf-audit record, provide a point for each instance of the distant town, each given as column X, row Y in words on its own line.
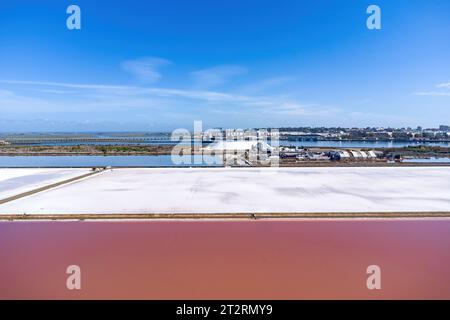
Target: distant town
column 441, row 133
column 296, row 146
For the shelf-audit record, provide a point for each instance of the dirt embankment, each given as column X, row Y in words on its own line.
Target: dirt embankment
column 419, row 152
column 356, row 163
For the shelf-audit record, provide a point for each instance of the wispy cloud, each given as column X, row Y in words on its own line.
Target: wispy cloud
column 215, row 76
column 115, row 97
column 145, row 69
column 445, row 85
column 433, row 93
column 65, row 84
column 265, row 84
column 136, row 90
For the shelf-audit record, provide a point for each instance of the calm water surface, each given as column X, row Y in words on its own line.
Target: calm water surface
column 428, row 160
column 360, row 144
column 103, row 161
column 306, row 143
column 226, row 260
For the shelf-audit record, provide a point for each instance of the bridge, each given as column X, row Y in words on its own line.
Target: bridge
column 81, row 140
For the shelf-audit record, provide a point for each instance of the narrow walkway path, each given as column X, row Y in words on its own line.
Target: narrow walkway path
column 47, row 187
column 232, row 216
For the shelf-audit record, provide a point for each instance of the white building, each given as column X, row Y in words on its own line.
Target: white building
column 355, row 154
column 372, row 154
column 343, row 154
column 239, row 146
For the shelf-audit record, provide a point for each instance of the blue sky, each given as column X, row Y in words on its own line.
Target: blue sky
column 160, row 65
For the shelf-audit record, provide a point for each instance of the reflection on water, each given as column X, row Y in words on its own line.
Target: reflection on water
column 428, row 160
column 104, row 161
column 361, row 144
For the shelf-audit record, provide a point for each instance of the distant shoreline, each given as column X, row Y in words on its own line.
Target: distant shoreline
column 332, row 216
column 163, row 149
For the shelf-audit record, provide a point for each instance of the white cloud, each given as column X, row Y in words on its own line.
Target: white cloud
column 444, row 85
column 218, row 75
column 125, row 90
column 10, row 101
column 145, row 69
column 101, row 101
column 432, row 93
column 65, row 85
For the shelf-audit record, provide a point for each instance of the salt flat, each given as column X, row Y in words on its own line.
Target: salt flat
column 15, row 181
column 245, row 190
